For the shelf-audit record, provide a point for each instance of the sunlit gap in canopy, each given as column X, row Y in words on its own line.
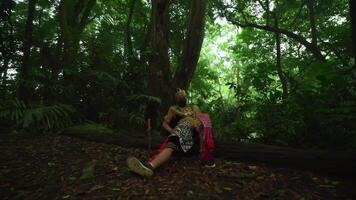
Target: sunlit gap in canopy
column 216, row 56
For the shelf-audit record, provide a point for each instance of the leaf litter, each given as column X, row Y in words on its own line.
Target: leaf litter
column 61, row 167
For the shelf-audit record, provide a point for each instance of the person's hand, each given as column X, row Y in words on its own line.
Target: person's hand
column 167, row 127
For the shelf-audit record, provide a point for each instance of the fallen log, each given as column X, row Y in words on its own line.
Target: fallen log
column 339, row 163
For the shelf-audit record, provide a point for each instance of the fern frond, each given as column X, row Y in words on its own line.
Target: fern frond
column 37, row 117
column 144, row 98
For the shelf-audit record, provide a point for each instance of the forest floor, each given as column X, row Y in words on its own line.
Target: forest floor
column 61, row 167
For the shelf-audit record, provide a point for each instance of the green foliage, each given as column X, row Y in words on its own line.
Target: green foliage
column 37, row 117
column 137, row 120
column 279, row 123
column 89, row 129
column 93, row 131
column 318, row 112
column 236, row 80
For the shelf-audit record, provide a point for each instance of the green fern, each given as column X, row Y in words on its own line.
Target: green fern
column 144, row 98
column 12, row 110
column 37, row 117
column 137, row 119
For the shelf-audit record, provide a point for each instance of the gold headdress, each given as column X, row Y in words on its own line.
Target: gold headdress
column 180, row 94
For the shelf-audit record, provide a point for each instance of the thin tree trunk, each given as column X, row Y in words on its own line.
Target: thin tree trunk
column 65, row 35
column 146, row 42
column 193, row 44
column 8, row 54
column 24, row 72
column 281, row 75
column 352, row 4
column 4, row 71
column 129, row 48
column 57, row 58
column 4, row 56
column 268, row 12
column 312, row 20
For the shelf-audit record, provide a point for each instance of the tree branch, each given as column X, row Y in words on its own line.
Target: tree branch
column 312, row 48
column 86, row 13
column 334, row 50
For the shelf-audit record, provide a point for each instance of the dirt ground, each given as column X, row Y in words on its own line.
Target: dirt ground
column 61, row 167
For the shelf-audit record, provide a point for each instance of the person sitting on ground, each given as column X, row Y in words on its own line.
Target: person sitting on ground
column 180, row 137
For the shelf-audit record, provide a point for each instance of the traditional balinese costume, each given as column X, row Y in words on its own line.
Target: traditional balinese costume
column 189, row 129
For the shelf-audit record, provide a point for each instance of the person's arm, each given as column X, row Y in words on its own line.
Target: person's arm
column 167, row 119
column 196, row 110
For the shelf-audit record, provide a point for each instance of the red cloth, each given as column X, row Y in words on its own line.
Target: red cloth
column 205, row 136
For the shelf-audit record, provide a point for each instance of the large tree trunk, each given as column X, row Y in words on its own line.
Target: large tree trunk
column 24, row 89
column 72, row 22
column 280, row 73
column 73, row 18
column 193, row 44
column 159, row 71
column 160, row 81
column 352, row 4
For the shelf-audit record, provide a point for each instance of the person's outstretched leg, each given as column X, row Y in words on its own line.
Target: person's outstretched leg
column 161, row 158
column 147, row 169
column 138, row 167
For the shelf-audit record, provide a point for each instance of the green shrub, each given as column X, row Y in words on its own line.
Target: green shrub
column 88, row 129
column 36, row 117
